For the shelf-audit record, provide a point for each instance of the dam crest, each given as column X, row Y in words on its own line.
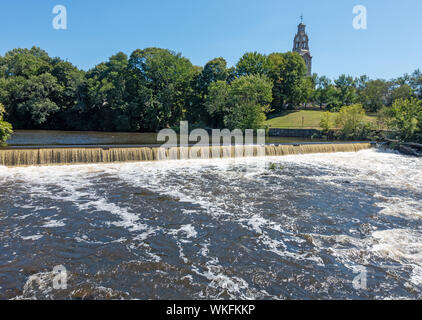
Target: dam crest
column 86, row 155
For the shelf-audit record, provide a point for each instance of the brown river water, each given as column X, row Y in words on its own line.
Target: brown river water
column 63, row 138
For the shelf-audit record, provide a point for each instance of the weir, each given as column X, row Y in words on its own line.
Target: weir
column 86, row 155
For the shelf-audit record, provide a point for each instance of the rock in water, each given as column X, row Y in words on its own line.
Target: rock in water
column 413, row 145
column 409, row 151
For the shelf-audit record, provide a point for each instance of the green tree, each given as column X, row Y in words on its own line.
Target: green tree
column 399, row 91
column 307, row 90
column 39, row 91
column 287, row 71
column 327, row 122
column 415, row 82
column 253, row 63
column 326, row 94
column 162, row 80
column 36, row 104
column 350, row 122
column 361, row 82
column 242, row 104
column 215, row 70
column 5, row 127
column 217, row 101
column 346, row 86
column 70, row 96
column 28, row 90
column 107, row 94
column 374, row 95
column 25, row 63
column 406, row 118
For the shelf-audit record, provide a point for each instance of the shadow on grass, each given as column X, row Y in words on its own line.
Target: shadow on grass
column 281, row 114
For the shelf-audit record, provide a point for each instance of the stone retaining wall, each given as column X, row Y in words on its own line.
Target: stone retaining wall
column 294, row 133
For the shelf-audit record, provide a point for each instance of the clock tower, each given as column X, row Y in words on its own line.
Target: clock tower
column 301, row 46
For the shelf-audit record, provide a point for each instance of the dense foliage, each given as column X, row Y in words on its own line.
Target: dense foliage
column 147, row 91
column 372, row 94
column 405, row 116
column 241, row 104
column 349, row 123
column 5, row 127
column 156, row 88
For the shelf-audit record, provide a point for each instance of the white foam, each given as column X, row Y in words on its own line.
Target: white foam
column 187, row 229
column 399, row 245
column 32, row 238
column 54, row 224
column 182, row 181
column 403, row 246
column 400, row 207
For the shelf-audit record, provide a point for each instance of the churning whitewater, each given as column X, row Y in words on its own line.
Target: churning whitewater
column 299, row 226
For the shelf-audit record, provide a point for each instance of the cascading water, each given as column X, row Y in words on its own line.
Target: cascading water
column 52, row 156
column 297, row 226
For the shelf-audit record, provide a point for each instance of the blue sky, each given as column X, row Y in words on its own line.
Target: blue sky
column 204, row 29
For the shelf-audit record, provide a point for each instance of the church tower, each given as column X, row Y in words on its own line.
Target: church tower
column 301, row 46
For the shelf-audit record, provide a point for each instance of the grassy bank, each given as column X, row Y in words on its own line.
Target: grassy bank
column 294, row 119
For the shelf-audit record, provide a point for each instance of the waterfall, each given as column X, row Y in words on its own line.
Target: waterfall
column 57, row 156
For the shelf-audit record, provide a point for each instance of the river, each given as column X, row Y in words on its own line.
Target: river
column 293, row 227
column 71, row 138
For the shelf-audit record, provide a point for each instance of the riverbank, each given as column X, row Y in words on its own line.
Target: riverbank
column 407, row 148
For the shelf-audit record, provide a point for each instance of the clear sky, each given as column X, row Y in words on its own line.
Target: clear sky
column 204, row 29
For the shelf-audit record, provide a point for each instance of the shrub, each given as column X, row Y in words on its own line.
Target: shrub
column 326, row 123
column 5, row 127
column 351, row 124
column 406, row 118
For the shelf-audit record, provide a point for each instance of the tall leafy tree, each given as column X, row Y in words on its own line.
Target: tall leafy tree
column 406, row 118
column 321, row 93
column 307, row 90
column 28, row 89
column 415, row 83
column 107, row 94
column 214, row 70
column 398, row 91
column 25, row 63
column 253, row 63
column 70, row 95
column 287, row 70
column 374, row 95
column 347, row 89
column 37, row 90
column 36, row 104
column 243, row 103
column 164, row 77
column 5, row 127
column 217, row 101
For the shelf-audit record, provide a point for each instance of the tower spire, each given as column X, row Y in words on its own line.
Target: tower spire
column 301, row 45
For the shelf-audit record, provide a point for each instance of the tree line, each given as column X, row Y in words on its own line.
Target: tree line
column 155, row 88
column 372, row 94
column 149, row 90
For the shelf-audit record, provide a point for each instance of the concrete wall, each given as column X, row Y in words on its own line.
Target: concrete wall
column 296, row 133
